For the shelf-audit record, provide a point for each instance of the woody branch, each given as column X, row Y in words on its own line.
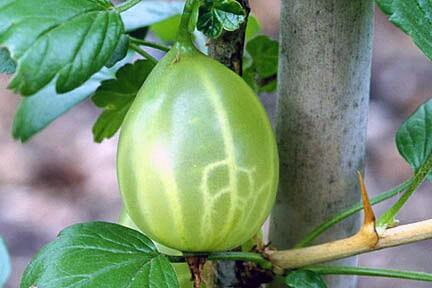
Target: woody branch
column 366, row 240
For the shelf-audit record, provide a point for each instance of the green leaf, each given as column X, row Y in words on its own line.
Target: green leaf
column 7, row 64
column 264, row 52
column 120, row 52
column 363, row 271
column 5, row 267
column 385, row 6
column 414, row 17
column 261, row 64
column 67, row 40
column 304, row 279
column 209, row 25
column 150, row 12
column 217, row 15
column 166, row 30
column 414, row 137
column 94, row 255
column 181, row 269
column 37, row 112
column 251, row 77
column 230, row 13
column 253, row 27
column 116, row 96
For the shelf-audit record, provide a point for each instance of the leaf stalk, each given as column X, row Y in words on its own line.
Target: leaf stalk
column 419, row 178
column 184, row 37
column 142, row 52
column 364, row 271
column 149, row 44
column 127, row 5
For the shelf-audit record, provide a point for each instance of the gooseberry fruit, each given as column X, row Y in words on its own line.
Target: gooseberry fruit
column 197, row 157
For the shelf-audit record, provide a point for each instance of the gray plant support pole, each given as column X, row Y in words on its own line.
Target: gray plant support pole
column 324, row 76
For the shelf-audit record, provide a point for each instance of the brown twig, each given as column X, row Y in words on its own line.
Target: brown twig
column 196, row 265
column 228, row 48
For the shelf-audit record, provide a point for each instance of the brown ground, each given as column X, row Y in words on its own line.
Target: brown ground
column 61, row 177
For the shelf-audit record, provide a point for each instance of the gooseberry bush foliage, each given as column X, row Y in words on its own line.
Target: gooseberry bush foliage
column 63, row 52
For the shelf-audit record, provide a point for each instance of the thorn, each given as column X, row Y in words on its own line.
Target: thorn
column 367, row 233
column 369, row 215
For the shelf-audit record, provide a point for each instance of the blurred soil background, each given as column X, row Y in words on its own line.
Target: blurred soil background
column 61, row 177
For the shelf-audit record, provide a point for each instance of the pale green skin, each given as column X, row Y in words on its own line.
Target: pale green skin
column 197, row 159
